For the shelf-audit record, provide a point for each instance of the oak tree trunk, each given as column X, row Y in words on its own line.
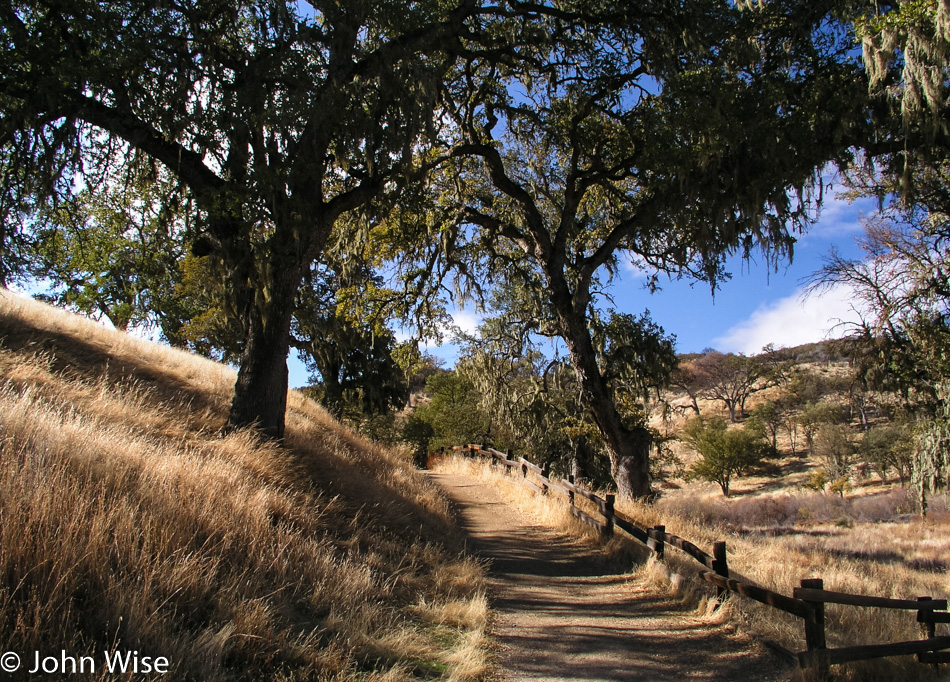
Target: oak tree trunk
column 630, row 461
column 628, row 449
column 260, row 392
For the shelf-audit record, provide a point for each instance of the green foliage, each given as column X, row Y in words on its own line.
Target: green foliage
column 695, row 137
column 724, row 452
column 382, row 427
column 454, row 412
column 116, row 251
column 840, row 485
column 418, row 434
column 533, row 401
column 635, row 354
column 767, row 418
column 280, row 121
column 352, row 356
column 415, row 365
column 888, row 448
column 813, row 416
column 201, row 321
column 817, row 480
column 529, row 402
column 906, row 48
column 806, row 387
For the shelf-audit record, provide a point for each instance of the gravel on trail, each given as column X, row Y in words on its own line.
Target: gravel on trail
column 562, row 612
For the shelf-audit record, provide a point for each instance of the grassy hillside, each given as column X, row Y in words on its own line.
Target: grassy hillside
column 129, row 523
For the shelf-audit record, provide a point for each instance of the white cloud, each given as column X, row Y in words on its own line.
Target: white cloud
column 466, row 321
column 841, row 218
column 792, row 321
column 634, row 266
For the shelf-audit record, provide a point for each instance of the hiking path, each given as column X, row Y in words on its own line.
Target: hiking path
column 563, row 612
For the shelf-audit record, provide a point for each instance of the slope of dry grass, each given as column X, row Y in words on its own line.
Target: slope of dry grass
column 128, row 522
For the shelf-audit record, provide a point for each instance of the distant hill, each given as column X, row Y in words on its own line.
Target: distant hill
column 130, row 523
column 832, row 350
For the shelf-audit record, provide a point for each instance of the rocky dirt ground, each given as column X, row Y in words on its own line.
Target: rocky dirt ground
column 564, row 612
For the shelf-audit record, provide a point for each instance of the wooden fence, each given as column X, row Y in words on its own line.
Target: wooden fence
column 807, row 602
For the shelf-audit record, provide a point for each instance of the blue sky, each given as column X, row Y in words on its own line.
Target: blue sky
column 757, row 306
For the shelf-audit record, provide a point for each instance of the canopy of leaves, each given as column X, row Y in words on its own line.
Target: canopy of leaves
column 276, row 119
column 114, row 252
column 887, row 448
column 671, row 138
column 906, row 47
column 342, row 347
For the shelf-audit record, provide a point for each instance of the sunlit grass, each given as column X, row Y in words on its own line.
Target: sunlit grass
column 129, row 522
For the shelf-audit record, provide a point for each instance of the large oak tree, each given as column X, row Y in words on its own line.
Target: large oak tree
column 275, row 117
column 674, row 137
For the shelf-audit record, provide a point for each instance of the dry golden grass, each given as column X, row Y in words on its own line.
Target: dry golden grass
column 535, row 507
column 127, row 522
column 862, row 546
column 865, row 558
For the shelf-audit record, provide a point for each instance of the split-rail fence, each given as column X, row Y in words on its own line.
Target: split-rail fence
column 807, row 601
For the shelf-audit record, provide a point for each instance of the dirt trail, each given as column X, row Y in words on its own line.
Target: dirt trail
column 562, row 613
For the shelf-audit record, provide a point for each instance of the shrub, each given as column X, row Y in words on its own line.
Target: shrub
column 817, row 481
column 417, row 434
column 767, row 417
column 816, row 415
column 723, row 452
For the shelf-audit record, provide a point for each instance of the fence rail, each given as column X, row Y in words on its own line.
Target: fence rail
column 807, row 602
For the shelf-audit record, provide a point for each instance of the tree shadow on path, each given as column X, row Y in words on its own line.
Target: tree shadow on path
column 563, row 612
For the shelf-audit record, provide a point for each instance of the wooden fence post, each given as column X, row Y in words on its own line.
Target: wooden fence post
column 927, row 626
column 815, row 632
column 720, row 566
column 546, row 476
column 609, row 514
column 657, row 544
column 507, row 459
column 570, row 493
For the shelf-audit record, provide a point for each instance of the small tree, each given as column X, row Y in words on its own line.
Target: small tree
column 417, row 433
column 768, row 417
column 833, row 445
column 724, row 452
column 816, row 415
column 885, row 448
column 690, row 377
column 453, row 412
column 732, row 379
